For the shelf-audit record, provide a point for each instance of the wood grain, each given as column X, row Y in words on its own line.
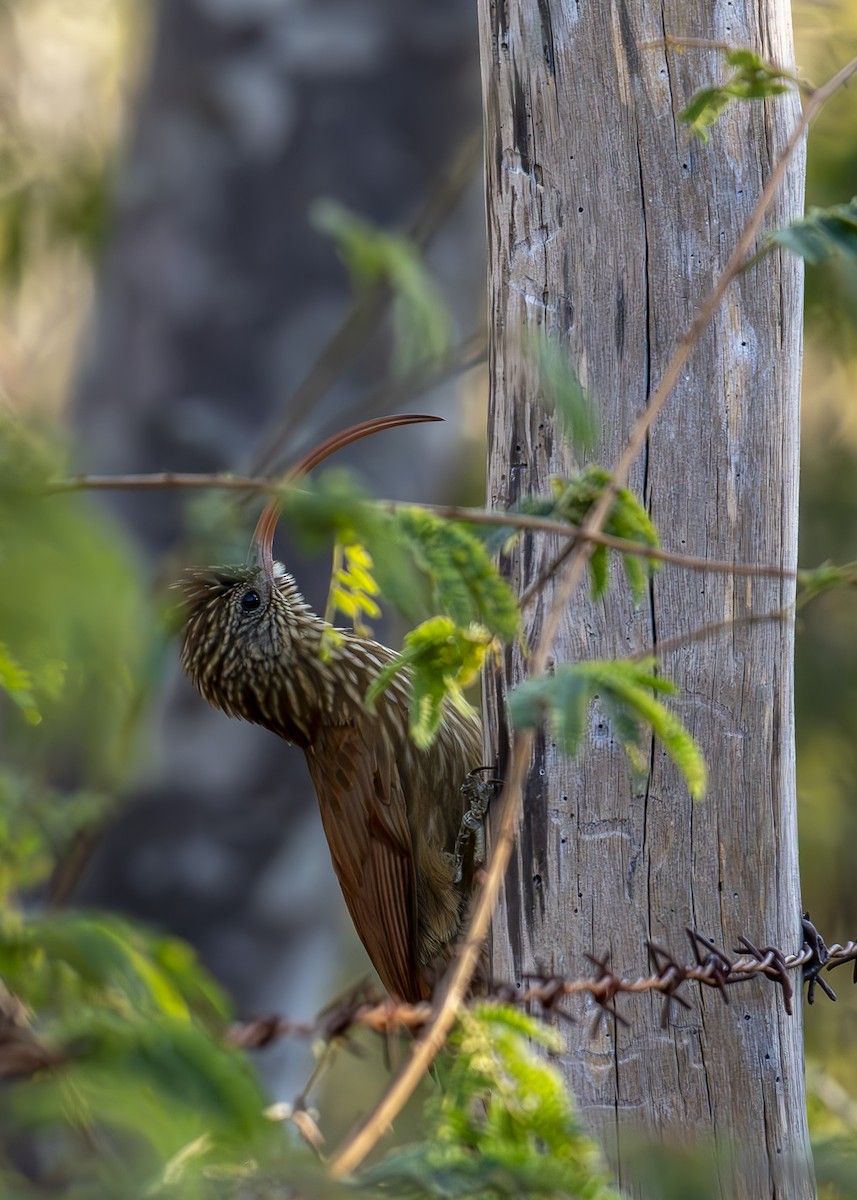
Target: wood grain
column 607, row 224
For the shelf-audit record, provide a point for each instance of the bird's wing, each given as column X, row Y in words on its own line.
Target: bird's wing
column 359, row 791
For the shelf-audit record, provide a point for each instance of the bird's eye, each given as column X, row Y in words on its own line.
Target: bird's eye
column 250, row 601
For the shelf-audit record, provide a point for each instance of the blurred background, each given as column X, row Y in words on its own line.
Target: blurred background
column 165, row 291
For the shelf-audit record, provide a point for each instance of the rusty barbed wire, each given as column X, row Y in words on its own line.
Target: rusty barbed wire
column 711, row 967
column 22, row 1053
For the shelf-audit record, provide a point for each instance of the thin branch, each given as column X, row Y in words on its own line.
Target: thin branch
column 699, row 43
column 703, row 632
column 387, row 396
column 393, row 393
column 547, row 573
column 473, row 516
column 476, row 516
column 355, row 1149
column 164, row 479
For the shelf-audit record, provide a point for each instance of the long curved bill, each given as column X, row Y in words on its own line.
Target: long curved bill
column 262, row 544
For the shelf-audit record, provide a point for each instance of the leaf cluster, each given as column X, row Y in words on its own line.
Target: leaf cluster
column 440, row 658
column 571, row 501
column 332, row 506
column 628, row 694
column 752, row 79
column 75, row 632
column 140, row 1068
column 421, row 321
column 37, row 823
column 353, row 589
column 475, row 608
column 822, row 233
column 504, row 1125
column 464, row 582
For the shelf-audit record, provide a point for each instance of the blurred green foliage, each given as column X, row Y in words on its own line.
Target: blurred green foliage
column 422, row 325
column 822, row 233
column 503, row 1125
column 752, row 78
column 627, row 692
column 826, row 647
column 75, row 631
column 41, row 211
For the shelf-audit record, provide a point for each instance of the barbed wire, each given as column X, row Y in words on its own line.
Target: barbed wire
column 711, row 967
column 22, row 1053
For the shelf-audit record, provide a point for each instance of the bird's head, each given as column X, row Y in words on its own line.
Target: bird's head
column 244, row 622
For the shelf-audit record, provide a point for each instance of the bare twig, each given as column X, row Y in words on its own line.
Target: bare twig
column 473, row 516
column 699, row 43
column 396, row 392
column 703, row 632
column 578, row 533
column 458, row 978
column 163, row 479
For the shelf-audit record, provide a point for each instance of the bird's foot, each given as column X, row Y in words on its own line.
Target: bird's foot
column 479, row 793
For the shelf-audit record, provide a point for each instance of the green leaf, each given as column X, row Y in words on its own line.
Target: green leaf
column 440, row 659
column 752, row 79
column 625, row 690
column 74, row 624
column 564, row 393
column 37, row 823
column 504, row 1124
column 575, row 497
column 598, row 571
column 464, row 582
column 422, row 323
column 823, row 579
column 353, row 588
column 151, row 1087
column 17, row 683
column 61, row 961
column 822, row 233
column 190, row 1070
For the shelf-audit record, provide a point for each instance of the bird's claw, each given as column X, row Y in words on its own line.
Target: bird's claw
column 479, row 792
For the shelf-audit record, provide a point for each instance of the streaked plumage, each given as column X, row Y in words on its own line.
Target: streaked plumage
column 391, row 812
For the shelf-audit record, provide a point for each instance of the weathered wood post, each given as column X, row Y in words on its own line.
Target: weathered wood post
column 607, row 223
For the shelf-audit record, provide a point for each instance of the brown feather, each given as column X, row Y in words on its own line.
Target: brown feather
column 364, row 818
column 391, row 812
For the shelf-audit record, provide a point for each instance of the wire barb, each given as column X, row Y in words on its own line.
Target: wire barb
column 22, row 1054
column 711, row 967
column 820, row 958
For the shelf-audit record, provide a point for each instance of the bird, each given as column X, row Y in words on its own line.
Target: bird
column 403, row 832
